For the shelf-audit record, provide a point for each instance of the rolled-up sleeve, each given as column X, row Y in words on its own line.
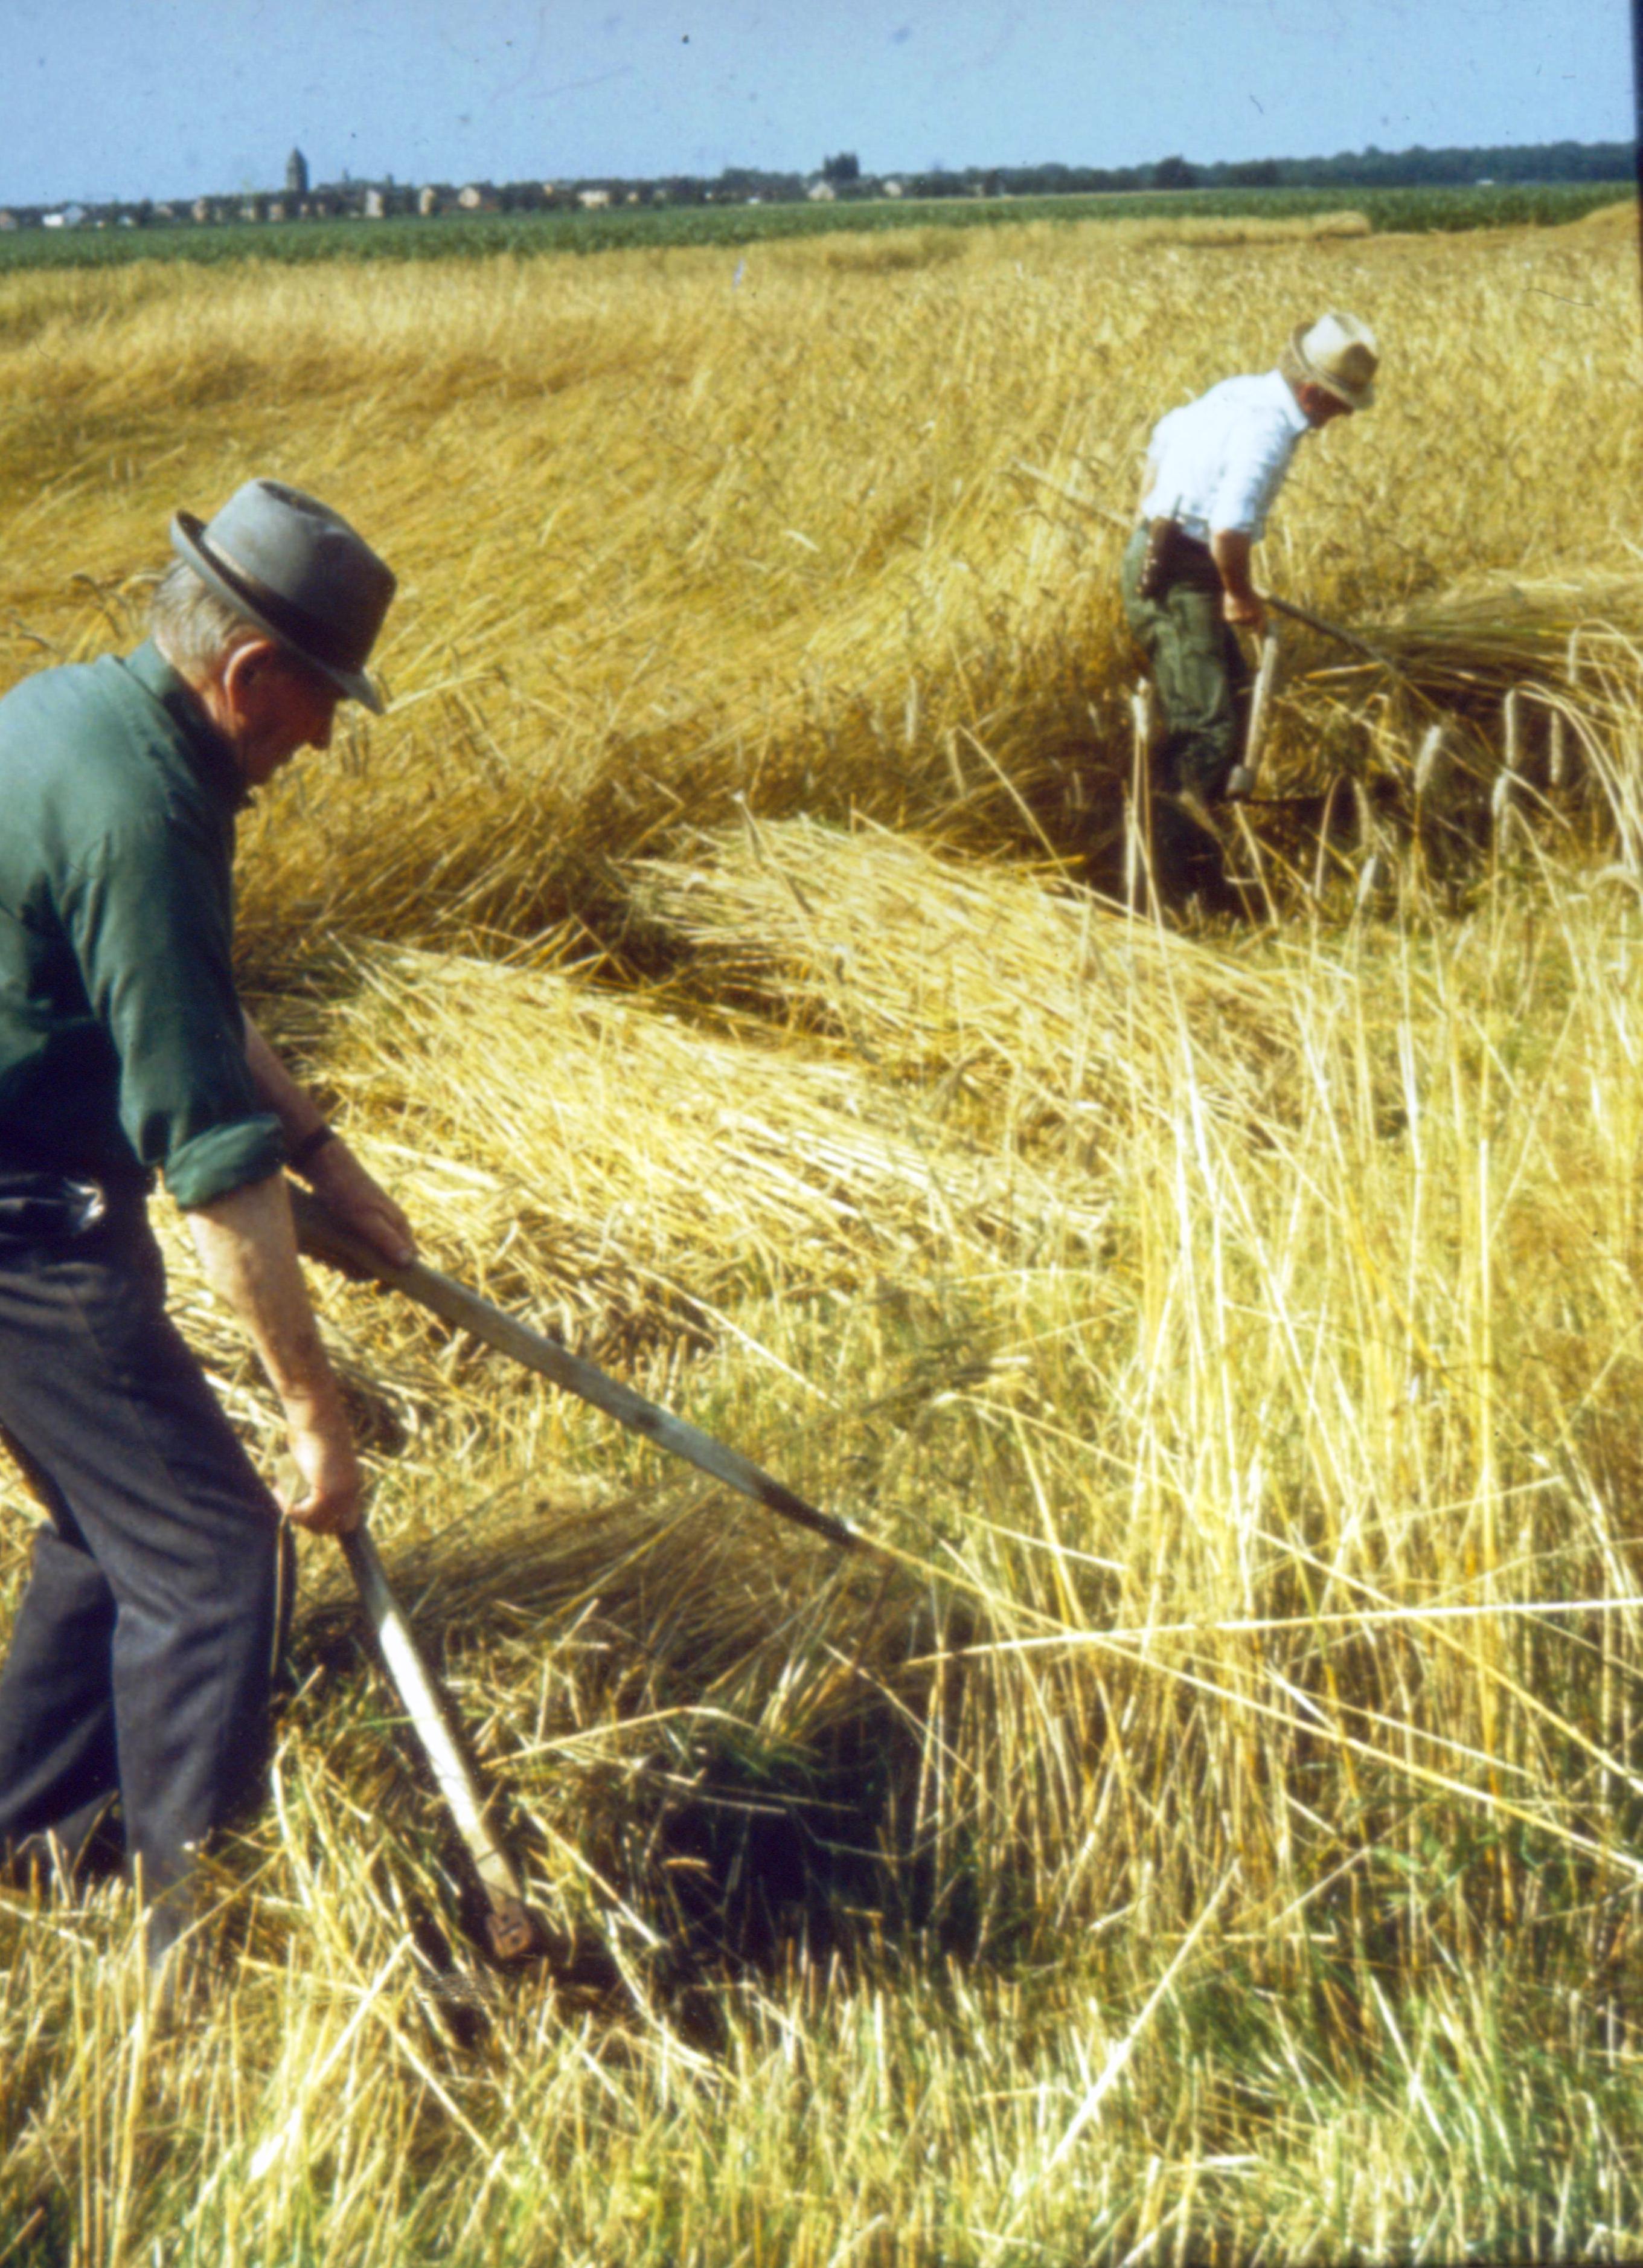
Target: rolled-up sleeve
column 148, row 912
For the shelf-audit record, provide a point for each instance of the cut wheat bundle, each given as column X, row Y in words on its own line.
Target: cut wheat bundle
column 619, row 1172
column 1466, row 648
column 970, row 976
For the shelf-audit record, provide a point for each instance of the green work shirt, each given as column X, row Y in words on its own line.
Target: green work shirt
column 123, row 1046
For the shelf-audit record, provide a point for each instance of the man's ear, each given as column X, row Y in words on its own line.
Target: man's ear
column 243, row 670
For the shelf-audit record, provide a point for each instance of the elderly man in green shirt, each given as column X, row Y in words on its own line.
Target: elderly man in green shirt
column 142, row 1655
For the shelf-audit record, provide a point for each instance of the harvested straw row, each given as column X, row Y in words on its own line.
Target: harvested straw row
column 935, row 968
column 1467, row 646
column 1485, row 678
column 1090, row 242
column 626, row 1176
column 619, row 1171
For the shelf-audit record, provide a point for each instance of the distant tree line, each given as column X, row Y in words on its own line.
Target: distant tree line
column 841, row 177
column 1404, row 169
column 1392, row 169
column 1415, row 168
column 1371, row 168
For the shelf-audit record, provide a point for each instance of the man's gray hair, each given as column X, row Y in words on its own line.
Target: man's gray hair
column 193, row 627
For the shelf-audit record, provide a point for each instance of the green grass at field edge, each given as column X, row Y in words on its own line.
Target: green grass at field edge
column 453, row 236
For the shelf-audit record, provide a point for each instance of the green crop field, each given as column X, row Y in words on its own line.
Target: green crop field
column 448, row 236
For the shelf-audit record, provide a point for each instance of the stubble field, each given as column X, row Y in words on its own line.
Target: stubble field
column 1219, row 1837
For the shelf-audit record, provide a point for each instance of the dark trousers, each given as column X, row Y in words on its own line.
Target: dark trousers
column 1203, row 681
column 143, row 1654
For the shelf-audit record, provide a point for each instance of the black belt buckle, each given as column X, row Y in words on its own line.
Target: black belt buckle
column 46, row 1208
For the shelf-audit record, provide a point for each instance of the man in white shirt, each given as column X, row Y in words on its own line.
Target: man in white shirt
column 1212, row 470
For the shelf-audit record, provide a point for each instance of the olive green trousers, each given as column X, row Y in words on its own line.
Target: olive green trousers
column 1199, row 670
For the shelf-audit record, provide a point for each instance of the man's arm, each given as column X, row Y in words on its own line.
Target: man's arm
column 1241, row 603
column 334, row 1173
column 248, row 1249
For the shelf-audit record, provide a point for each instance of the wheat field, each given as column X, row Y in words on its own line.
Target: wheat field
column 1214, row 1834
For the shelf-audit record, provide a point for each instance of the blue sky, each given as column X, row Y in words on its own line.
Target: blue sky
column 166, row 98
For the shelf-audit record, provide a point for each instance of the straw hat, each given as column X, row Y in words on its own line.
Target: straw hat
column 1338, row 353
column 296, row 570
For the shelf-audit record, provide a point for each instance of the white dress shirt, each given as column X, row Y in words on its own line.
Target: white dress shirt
column 1219, row 462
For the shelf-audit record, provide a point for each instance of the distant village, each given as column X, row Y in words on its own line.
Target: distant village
column 350, row 200
column 836, row 177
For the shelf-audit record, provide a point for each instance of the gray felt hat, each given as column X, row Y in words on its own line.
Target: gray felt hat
column 296, row 570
